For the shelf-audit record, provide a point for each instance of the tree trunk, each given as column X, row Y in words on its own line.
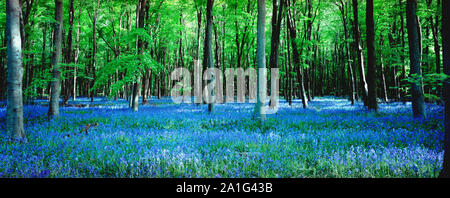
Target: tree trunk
column 446, row 92
column 94, row 50
column 24, row 30
column 277, row 15
column 402, row 56
column 207, row 53
column 412, row 25
column 383, row 79
column 296, row 55
column 76, row 55
column 69, row 55
column 140, row 24
column 56, row 60
column 371, row 69
column 360, row 55
column 145, row 92
column 342, row 7
column 437, row 48
column 261, row 56
column 14, row 109
column 289, row 66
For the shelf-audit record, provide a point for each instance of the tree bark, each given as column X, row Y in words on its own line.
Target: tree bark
column 360, row 58
column 56, row 61
column 342, row 7
column 14, row 109
column 140, row 24
column 371, row 69
column 69, row 54
column 207, row 52
column 295, row 54
column 76, row 55
column 402, row 55
column 261, row 57
column 412, row 25
column 383, row 79
column 446, row 92
column 437, row 48
column 277, row 15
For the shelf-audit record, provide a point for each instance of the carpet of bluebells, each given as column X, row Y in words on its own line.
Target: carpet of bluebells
column 331, row 138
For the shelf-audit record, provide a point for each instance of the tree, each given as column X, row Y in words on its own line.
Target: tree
column 277, row 15
column 207, row 52
column 68, row 53
column 93, row 18
column 25, row 26
column 261, row 55
column 295, row 53
column 437, row 48
column 342, row 8
column 76, row 55
column 371, row 69
column 53, row 110
column 412, row 26
column 446, row 92
column 360, row 55
column 14, row 109
column 140, row 43
column 382, row 77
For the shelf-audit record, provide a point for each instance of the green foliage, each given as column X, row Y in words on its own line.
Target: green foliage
column 172, row 24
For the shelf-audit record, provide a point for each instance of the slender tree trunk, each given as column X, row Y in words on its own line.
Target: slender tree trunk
column 342, row 7
column 418, row 105
column 24, row 29
column 277, row 15
column 360, row 55
column 261, row 56
column 446, row 92
column 56, row 60
column 207, row 53
column 296, row 55
column 94, row 50
column 14, row 109
column 371, row 69
column 437, row 48
column 289, row 66
column 69, row 55
column 402, row 55
column 395, row 80
column 140, row 24
column 383, row 79
column 76, row 55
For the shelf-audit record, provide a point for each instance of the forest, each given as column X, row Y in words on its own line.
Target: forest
column 224, row 88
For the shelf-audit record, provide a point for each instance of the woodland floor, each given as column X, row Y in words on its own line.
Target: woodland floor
column 329, row 139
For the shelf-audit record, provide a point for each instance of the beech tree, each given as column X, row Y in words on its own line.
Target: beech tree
column 14, row 109
column 371, row 68
column 207, row 53
column 412, row 24
column 53, row 110
column 261, row 51
column 277, row 15
column 295, row 53
column 69, row 54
